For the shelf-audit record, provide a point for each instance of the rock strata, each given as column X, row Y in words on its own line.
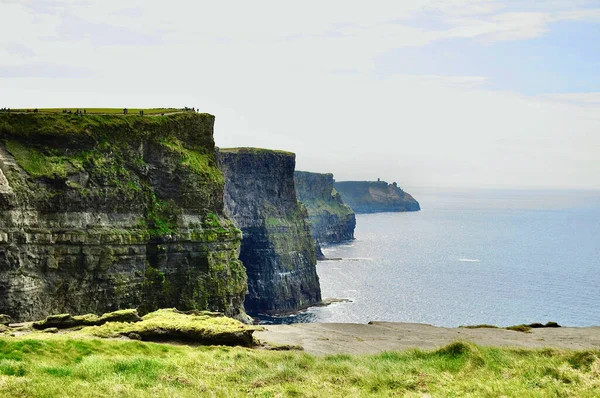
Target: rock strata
column 105, row 212
column 375, row 196
column 332, row 221
column 277, row 247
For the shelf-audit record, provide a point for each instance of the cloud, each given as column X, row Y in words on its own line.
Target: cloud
column 339, row 35
column 18, row 49
column 301, row 76
column 502, row 27
column 577, row 98
column 43, row 71
column 583, row 15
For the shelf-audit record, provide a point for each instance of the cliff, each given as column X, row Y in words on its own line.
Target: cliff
column 331, row 219
column 375, row 196
column 101, row 212
column 277, row 247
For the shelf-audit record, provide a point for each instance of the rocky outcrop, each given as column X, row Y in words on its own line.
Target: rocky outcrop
column 100, row 213
column 331, row 220
column 277, row 247
column 375, row 196
column 65, row 321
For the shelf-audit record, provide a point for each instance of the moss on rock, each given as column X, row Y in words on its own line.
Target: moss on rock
column 109, row 211
column 174, row 325
column 66, row 321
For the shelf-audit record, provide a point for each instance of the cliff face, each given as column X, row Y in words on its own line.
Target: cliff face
column 99, row 213
column 277, row 248
column 375, row 196
column 331, row 219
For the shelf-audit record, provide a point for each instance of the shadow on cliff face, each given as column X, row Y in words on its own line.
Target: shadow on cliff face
column 277, row 249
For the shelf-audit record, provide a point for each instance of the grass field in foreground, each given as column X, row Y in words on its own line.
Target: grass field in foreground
column 56, row 366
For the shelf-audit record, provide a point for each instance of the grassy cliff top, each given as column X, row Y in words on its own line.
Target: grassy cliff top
column 104, row 111
column 193, row 128
column 257, row 151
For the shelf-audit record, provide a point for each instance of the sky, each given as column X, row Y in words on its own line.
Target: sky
column 453, row 93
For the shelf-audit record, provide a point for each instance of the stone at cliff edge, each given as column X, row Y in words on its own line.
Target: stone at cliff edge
column 375, row 196
column 103, row 212
column 277, row 247
column 332, row 221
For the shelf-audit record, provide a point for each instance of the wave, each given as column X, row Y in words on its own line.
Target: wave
column 468, row 260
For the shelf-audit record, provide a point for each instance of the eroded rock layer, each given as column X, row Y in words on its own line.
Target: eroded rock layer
column 332, row 221
column 101, row 212
column 277, row 247
column 375, row 196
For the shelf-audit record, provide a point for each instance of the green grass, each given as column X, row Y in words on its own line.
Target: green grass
column 196, row 159
column 35, row 162
column 105, row 111
column 190, row 127
column 59, row 367
column 318, row 207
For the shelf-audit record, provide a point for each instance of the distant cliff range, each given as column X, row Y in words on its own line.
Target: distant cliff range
column 332, row 221
column 375, row 196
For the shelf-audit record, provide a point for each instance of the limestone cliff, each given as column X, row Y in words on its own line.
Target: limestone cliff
column 277, row 248
column 375, row 196
column 102, row 212
column 331, row 219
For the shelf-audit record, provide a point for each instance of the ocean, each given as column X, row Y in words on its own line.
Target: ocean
column 469, row 257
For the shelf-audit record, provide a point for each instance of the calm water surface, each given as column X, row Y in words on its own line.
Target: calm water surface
column 470, row 257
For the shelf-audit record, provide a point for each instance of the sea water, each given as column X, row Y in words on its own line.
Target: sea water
column 469, row 257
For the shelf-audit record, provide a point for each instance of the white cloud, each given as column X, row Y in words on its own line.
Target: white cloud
column 266, row 70
column 585, row 15
column 501, row 27
column 578, row 98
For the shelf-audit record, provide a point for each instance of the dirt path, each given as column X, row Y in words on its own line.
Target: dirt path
column 334, row 338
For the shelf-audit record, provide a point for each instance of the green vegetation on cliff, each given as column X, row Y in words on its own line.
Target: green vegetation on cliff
column 109, row 151
column 55, row 366
column 185, row 126
column 103, row 111
column 196, row 160
column 332, row 220
column 129, row 208
column 36, row 163
column 288, row 236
